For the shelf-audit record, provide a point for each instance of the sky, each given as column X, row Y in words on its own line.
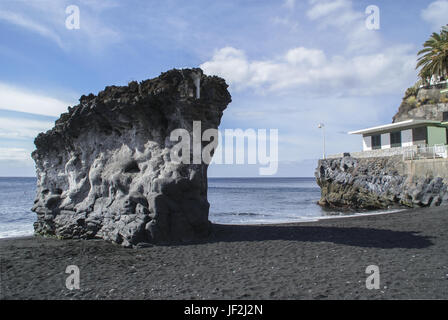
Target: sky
column 290, row 65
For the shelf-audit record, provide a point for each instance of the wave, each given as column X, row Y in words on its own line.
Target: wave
column 243, row 214
column 270, row 188
column 16, row 233
column 280, row 219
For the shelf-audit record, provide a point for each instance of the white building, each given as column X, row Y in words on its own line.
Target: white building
column 404, row 134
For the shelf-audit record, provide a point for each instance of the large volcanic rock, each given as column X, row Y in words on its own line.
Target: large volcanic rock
column 105, row 170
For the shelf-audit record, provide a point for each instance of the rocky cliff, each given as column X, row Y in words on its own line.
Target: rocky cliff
column 422, row 104
column 105, row 170
column 379, row 183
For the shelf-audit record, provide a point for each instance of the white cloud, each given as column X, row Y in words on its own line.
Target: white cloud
column 436, row 14
column 15, row 154
column 321, row 9
column 366, row 66
column 310, row 71
column 17, row 132
column 18, row 128
column 288, row 22
column 94, row 33
column 29, row 24
column 100, row 5
column 300, row 55
column 290, row 4
column 16, row 162
column 229, row 63
column 18, row 99
column 339, row 15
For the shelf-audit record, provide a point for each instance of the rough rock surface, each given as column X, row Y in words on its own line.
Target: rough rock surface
column 105, row 171
column 376, row 183
column 422, row 104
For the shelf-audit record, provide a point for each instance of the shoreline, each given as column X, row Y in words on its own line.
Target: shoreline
column 311, row 219
column 317, row 219
column 326, row 259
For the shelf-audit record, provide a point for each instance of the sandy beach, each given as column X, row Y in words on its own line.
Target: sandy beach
column 317, row 260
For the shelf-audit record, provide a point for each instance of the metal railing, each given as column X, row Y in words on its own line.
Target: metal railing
column 435, row 85
column 426, row 152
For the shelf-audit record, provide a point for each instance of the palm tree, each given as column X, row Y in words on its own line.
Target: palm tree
column 433, row 58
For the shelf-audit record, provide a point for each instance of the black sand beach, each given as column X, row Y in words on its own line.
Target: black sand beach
column 318, row 260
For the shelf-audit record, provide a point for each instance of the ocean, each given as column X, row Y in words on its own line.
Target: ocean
column 232, row 201
column 16, row 199
column 263, row 200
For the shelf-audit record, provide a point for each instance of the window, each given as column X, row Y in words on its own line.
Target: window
column 395, row 139
column 376, row 142
column 445, row 116
column 420, row 135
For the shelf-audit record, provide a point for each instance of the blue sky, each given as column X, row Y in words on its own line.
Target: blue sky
column 290, row 65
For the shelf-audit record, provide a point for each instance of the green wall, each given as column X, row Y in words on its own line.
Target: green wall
column 436, row 135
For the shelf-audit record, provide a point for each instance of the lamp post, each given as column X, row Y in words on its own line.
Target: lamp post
column 322, row 126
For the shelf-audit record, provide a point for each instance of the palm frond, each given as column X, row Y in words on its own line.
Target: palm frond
column 433, row 58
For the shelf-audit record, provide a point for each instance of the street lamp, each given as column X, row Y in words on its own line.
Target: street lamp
column 322, row 126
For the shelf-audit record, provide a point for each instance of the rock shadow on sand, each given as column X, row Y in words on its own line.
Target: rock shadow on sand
column 350, row 236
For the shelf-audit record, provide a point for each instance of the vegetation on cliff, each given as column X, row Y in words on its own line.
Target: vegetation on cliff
column 433, row 60
column 433, row 63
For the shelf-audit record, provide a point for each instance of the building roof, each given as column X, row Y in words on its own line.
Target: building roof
column 397, row 125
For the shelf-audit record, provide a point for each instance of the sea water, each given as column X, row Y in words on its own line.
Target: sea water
column 263, row 200
column 16, row 199
column 232, row 201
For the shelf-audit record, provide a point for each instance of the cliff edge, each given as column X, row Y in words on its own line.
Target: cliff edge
column 422, row 104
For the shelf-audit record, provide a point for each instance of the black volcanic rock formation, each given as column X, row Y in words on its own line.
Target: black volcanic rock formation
column 377, row 183
column 104, row 170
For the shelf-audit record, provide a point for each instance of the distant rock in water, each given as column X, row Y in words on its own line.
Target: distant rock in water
column 105, row 170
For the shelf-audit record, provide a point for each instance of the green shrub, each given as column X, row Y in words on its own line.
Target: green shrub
column 444, row 98
column 411, row 92
column 412, row 100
